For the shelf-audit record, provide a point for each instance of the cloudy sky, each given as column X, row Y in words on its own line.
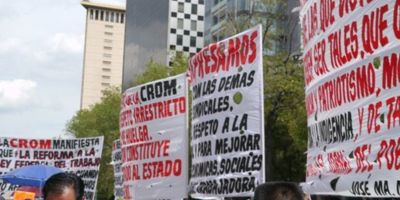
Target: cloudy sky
column 41, row 52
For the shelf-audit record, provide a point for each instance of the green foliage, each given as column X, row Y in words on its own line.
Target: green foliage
column 284, row 105
column 102, row 119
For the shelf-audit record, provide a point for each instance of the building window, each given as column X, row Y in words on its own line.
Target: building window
column 106, row 69
column 173, row 30
column 101, row 15
column 199, row 34
column 107, row 55
column 107, row 17
column 108, row 26
column 122, row 18
column 108, row 33
column 96, row 16
column 112, row 17
column 106, row 62
column 194, row 9
column 106, row 77
column 180, row 7
column 200, row 18
column 179, row 39
column 180, row 23
column 187, row 16
column 215, row 20
column 107, row 41
column 186, row 32
column 91, row 13
column 105, row 84
column 107, row 48
column 186, row 49
column 193, row 25
column 201, row 2
column 172, row 47
column 192, row 41
column 173, row 14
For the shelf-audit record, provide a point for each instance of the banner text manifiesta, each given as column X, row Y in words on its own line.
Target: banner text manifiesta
column 80, row 156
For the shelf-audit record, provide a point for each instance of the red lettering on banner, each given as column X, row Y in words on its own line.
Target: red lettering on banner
column 388, row 155
column 326, row 13
column 158, row 110
column 162, row 169
column 373, row 116
column 393, row 104
column 127, row 194
column 396, row 19
column 348, row 6
column 373, row 27
column 310, row 24
column 30, row 144
column 349, row 87
column 310, row 104
column 319, row 57
column 391, row 71
column 134, row 135
column 360, row 154
column 360, row 119
column 144, row 151
column 218, row 57
column 129, row 100
column 308, row 67
column 343, row 45
column 338, row 164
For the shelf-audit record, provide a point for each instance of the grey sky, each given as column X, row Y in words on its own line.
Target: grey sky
column 41, row 51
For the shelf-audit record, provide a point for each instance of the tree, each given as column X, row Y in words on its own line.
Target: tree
column 284, row 105
column 102, row 119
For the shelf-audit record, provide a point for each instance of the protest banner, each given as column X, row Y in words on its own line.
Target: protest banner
column 116, row 160
column 352, row 71
column 227, row 117
column 80, row 156
column 154, row 140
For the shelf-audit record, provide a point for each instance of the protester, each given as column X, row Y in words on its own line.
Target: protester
column 64, row 186
column 278, row 191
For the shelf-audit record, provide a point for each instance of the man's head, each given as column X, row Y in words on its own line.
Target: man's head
column 278, row 191
column 63, row 186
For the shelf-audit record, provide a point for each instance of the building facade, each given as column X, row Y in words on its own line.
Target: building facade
column 219, row 12
column 157, row 30
column 103, row 52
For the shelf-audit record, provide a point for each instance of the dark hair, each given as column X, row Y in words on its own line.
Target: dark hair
column 278, row 191
column 58, row 182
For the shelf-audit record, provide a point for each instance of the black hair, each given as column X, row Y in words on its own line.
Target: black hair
column 58, row 182
column 278, row 191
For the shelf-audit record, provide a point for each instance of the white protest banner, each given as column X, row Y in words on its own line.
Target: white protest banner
column 154, row 140
column 227, row 117
column 351, row 66
column 80, row 156
column 116, row 160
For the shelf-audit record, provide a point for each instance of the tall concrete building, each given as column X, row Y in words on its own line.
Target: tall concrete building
column 156, row 30
column 103, row 54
